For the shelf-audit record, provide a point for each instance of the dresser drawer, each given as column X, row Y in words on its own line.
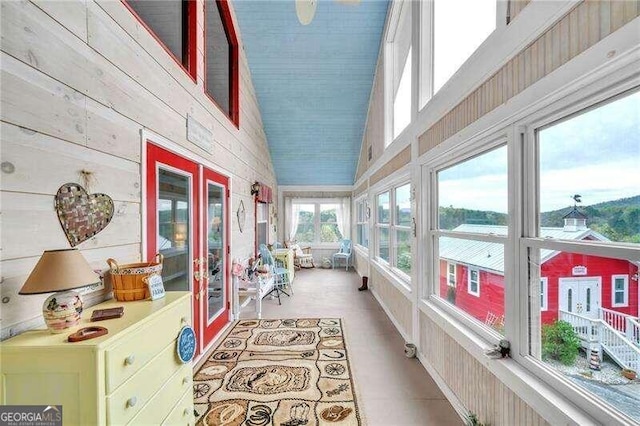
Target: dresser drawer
column 131, row 353
column 160, row 406
column 134, row 394
column 182, row 413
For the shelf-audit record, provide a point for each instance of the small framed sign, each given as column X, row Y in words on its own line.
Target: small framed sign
column 186, row 344
column 155, row 286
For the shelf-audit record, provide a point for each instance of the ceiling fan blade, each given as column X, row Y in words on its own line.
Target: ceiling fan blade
column 306, row 9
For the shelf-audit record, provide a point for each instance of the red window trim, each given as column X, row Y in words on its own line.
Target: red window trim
column 234, row 87
column 192, row 52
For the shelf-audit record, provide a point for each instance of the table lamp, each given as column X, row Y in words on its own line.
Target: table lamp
column 60, row 271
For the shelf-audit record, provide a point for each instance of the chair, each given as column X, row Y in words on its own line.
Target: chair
column 302, row 257
column 344, row 253
column 281, row 274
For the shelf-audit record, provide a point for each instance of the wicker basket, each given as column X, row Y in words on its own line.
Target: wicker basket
column 128, row 280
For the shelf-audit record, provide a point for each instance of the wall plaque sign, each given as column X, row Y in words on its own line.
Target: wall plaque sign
column 199, row 135
column 579, row 270
column 186, row 344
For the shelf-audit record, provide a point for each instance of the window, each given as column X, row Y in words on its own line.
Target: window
column 473, row 284
column 262, row 224
column 398, row 75
column 583, row 198
column 221, row 58
column 173, row 24
column 457, row 35
column 362, row 222
column 394, row 229
column 620, row 289
column 320, row 221
column 471, row 230
column 544, row 295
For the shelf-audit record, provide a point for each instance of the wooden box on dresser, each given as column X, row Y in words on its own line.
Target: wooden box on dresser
column 132, row 375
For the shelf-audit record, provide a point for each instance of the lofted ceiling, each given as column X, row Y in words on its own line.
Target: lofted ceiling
column 313, row 83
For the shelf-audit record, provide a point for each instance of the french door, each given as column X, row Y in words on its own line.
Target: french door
column 580, row 296
column 188, row 223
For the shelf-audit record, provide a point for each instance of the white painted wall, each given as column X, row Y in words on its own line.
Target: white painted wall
column 80, row 80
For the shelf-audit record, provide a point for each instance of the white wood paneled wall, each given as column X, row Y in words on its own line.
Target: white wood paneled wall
column 80, row 79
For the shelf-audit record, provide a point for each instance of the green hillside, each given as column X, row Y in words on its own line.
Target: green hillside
column 618, row 220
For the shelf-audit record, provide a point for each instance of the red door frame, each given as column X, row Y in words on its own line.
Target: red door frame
column 156, row 157
column 210, row 330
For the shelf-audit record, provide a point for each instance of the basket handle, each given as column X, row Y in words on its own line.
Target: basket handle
column 113, row 264
column 159, row 258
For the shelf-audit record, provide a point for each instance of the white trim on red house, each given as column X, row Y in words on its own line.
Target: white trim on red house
column 625, row 290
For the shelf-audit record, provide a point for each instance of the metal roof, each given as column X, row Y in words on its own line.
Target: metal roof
column 490, row 255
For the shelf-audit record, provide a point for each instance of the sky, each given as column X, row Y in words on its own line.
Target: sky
column 595, row 154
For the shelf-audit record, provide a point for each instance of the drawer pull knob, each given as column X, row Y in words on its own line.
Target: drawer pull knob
column 130, row 360
column 131, row 402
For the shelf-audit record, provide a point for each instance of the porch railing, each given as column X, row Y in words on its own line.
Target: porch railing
column 623, row 352
column 587, row 329
column 626, row 324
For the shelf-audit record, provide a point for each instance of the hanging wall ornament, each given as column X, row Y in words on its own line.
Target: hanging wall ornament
column 82, row 215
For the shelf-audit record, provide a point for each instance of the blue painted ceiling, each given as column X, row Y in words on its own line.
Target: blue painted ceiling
column 313, row 83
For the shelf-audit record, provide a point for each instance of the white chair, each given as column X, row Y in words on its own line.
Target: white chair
column 344, row 253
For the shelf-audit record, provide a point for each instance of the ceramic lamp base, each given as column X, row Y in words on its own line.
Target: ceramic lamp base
column 62, row 311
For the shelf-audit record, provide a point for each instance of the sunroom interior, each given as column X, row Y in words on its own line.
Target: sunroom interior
column 481, row 158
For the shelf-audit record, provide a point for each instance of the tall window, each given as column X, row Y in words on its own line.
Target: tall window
column 399, row 70
column 394, row 229
column 173, row 24
column 472, row 231
column 221, row 58
column 262, row 224
column 459, row 28
column 585, row 237
column 362, row 222
column 320, row 221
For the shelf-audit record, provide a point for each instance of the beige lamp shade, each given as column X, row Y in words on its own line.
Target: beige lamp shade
column 59, row 270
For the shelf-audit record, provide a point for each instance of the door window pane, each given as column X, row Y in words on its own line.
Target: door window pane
column 589, row 179
column 216, row 253
column 174, row 230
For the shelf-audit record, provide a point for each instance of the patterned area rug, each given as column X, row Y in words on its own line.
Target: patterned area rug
column 287, row 372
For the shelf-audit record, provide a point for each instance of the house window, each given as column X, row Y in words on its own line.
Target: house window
column 457, row 35
column 620, row 290
column 320, row 221
column 451, row 274
column 473, row 282
column 544, row 293
column 173, row 24
column 394, row 229
column 362, row 222
column 262, row 224
column 472, row 230
column 221, row 58
column 398, row 84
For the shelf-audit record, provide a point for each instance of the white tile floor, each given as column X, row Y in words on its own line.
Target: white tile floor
column 393, row 390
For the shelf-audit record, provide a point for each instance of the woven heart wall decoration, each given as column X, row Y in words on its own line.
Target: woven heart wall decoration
column 82, row 215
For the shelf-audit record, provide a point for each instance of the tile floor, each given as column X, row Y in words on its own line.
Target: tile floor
column 393, row 390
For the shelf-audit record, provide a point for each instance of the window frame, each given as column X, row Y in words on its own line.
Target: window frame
column 391, row 265
column 544, row 294
column 363, row 213
column 234, row 70
column 317, row 225
column 625, row 290
column 470, row 281
column 191, row 67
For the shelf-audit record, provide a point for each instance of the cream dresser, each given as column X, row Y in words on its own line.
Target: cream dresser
column 132, row 375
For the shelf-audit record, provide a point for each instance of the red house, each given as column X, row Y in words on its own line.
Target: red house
column 574, row 287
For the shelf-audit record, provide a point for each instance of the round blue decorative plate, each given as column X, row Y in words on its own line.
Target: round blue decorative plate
column 186, row 344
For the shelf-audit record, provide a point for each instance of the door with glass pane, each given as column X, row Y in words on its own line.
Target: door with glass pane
column 187, row 222
column 580, row 296
column 215, row 245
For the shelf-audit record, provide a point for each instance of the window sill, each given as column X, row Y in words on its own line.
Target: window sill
column 400, row 284
column 541, row 397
